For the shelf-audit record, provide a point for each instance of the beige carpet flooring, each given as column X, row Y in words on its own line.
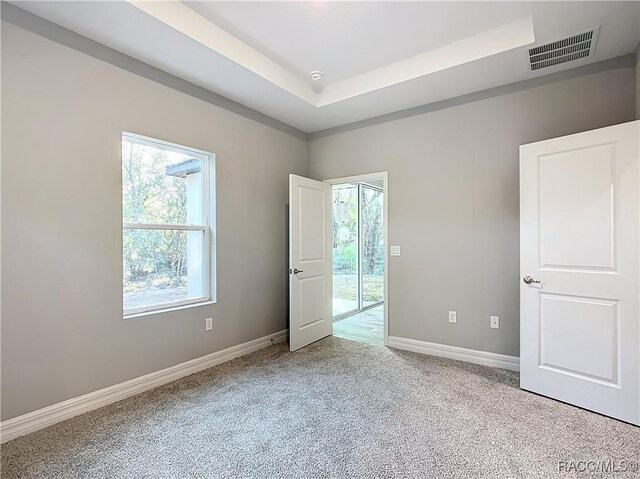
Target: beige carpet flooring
column 335, row 409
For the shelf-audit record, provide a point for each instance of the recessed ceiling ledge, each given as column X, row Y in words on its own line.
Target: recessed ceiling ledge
column 491, row 42
column 191, row 24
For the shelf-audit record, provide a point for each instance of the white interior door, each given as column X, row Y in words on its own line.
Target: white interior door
column 309, row 261
column 580, row 241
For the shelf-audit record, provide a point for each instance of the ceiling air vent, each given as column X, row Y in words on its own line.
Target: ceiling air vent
column 578, row 46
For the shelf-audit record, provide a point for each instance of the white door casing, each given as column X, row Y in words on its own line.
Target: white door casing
column 580, row 238
column 310, row 241
column 384, row 177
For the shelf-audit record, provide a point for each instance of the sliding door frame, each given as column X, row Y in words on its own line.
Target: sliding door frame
column 361, row 305
column 384, row 177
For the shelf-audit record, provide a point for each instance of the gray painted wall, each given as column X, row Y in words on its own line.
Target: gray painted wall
column 454, row 200
column 453, row 209
column 638, row 81
column 62, row 329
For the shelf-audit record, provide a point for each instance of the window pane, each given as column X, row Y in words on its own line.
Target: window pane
column 372, row 247
column 160, row 186
column 162, row 266
column 345, row 249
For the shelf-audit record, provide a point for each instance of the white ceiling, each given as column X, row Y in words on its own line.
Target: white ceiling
column 378, row 57
column 350, row 38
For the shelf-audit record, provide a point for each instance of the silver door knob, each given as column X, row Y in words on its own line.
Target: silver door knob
column 530, row 279
column 296, row 271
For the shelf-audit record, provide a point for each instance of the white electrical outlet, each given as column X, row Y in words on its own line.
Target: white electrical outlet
column 495, row 322
column 395, row 251
column 208, row 324
column 452, row 316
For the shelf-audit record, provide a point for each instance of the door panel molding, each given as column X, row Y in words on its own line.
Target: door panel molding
column 567, row 335
column 570, row 192
column 580, row 238
column 309, row 261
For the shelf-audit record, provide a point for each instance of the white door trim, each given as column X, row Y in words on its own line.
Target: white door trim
column 384, row 177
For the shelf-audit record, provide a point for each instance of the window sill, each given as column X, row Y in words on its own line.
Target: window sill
column 168, row 310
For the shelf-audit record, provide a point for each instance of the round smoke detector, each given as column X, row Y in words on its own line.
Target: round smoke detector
column 316, row 75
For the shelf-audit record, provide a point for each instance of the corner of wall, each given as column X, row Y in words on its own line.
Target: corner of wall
column 308, row 155
column 638, row 81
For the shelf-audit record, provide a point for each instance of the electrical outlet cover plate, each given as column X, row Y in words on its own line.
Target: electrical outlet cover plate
column 495, row 322
column 395, row 251
column 452, row 317
column 208, row 324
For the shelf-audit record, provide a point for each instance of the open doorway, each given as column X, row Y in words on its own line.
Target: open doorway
column 359, row 258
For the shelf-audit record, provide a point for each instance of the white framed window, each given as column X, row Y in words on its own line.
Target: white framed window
column 166, row 225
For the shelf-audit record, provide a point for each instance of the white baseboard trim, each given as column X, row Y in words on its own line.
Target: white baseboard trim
column 30, row 422
column 453, row 352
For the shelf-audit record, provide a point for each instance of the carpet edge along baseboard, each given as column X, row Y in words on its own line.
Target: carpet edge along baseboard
column 55, row 413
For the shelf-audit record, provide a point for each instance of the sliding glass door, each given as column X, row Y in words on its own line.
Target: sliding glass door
column 345, row 249
column 358, row 248
column 372, row 248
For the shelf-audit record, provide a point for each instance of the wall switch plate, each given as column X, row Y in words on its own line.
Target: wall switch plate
column 452, row 316
column 208, row 324
column 395, row 251
column 495, row 322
